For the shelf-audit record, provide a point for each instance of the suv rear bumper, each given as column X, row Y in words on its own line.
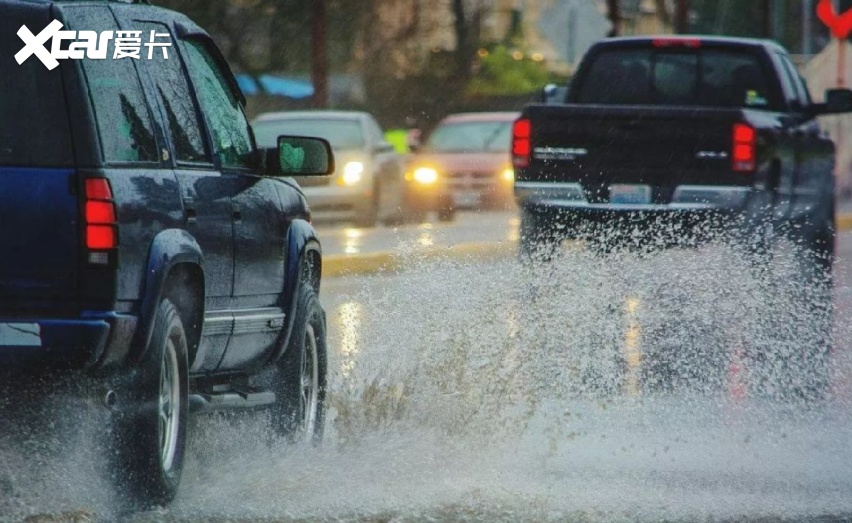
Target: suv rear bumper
column 93, row 341
column 686, row 198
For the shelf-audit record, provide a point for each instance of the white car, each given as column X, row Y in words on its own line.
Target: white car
column 368, row 184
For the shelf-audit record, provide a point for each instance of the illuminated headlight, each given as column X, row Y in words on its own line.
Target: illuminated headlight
column 426, row 175
column 353, row 172
column 508, row 175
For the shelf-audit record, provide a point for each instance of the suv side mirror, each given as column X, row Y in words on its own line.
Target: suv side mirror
column 299, row 156
column 836, row 101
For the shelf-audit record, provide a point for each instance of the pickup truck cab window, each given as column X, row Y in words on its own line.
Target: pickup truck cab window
column 798, row 90
column 228, row 125
column 702, row 77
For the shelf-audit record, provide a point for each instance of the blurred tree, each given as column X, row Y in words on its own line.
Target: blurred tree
column 756, row 19
column 504, row 72
column 416, row 57
column 273, row 35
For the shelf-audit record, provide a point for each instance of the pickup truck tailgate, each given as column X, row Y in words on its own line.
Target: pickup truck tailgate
column 663, row 147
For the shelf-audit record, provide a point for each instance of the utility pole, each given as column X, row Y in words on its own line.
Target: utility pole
column 767, row 18
column 778, row 20
column 319, row 71
column 807, row 27
column 682, row 17
column 614, row 14
column 572, row 32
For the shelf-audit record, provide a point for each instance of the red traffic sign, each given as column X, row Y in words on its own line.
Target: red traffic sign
column 839, row 24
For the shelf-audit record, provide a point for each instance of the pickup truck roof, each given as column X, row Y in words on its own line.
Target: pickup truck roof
column 627, row 41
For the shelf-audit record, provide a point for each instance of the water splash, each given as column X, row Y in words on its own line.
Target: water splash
column 625, row 385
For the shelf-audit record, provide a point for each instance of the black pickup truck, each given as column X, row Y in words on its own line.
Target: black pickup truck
column 696, row 130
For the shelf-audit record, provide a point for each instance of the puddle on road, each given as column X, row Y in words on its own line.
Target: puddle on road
column 597, row 388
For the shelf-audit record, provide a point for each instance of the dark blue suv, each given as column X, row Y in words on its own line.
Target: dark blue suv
column 147, row 242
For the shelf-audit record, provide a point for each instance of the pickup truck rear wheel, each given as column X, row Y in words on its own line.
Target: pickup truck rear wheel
column 538, row 237
column 300, row 375
column 151, row 423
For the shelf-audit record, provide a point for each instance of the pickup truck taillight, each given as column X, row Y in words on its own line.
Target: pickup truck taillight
column 521, row 142
column 744, row 153
column 101, row 223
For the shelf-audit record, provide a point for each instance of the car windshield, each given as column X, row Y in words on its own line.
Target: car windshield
column 709, row 77
column 341, row 134
column 471, row 137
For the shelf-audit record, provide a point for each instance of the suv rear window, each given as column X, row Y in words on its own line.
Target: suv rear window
column 706, row 77
column 121, row 111
column 34, row 127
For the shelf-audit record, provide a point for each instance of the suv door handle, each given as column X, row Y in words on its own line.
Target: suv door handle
column 189, row 209
column 237, row 214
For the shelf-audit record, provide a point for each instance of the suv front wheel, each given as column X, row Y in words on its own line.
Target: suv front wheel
column 299, row 379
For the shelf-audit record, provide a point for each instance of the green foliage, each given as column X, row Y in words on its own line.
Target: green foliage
column 501, row 73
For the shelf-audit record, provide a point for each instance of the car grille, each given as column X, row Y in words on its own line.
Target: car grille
column 471, row 180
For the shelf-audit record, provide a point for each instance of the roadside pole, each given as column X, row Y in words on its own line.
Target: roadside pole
column 682, row 16
column 840, row 25
column 613, row 8
column 319, row 71
column 807, row 27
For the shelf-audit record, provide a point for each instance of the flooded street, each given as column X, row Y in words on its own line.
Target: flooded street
column 596, row 388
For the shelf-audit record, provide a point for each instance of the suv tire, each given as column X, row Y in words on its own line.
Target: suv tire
column 151, row 428
column 300, row 375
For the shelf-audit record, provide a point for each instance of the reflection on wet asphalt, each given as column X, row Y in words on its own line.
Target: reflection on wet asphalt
column 596, row 388
column 468, row 227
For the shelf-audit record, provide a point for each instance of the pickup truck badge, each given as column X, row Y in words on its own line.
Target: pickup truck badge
column 711, row 155
column 559, row 153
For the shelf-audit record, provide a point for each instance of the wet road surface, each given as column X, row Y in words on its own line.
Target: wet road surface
column 598, row 388
column 468, row 227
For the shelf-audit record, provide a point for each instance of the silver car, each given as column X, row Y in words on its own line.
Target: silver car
column 368, row 184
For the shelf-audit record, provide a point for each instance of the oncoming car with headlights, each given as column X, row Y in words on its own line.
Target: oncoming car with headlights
column 469, row 155
column 367, row 186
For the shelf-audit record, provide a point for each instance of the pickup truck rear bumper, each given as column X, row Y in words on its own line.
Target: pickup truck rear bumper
column 89, row 342
column 686, row 198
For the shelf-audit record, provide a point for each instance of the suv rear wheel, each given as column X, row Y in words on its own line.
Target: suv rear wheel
column 151, row 426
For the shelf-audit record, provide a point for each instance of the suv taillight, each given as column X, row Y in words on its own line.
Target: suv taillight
column 744, row 153
column 101, row 223
column 521, row 142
